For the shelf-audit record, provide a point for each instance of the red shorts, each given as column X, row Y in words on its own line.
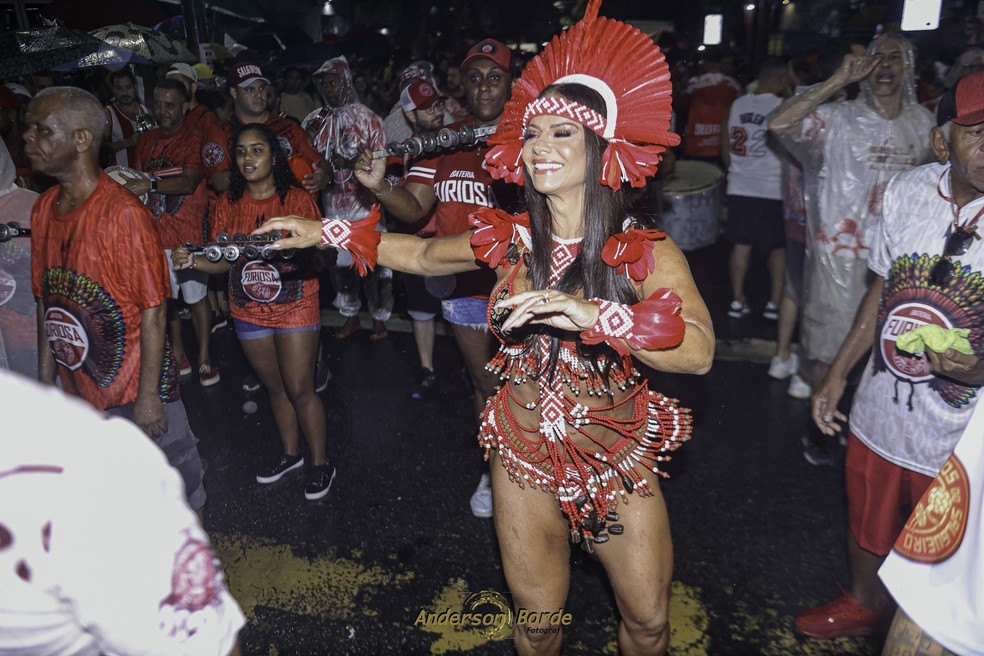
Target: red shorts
column 880, row 496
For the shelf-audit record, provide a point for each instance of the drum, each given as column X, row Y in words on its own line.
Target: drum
column 693, row 198
column 123, row 174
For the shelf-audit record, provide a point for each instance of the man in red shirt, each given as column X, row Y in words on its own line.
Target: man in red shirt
column 250, row 90
column 100, row 277
column 176, row 194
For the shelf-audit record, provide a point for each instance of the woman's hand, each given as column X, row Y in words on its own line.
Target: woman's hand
column 305, row 232
column 551, row 308
column 181, row 259
column 370, row 172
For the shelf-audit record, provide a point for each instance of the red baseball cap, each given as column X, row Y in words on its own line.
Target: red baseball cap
column 488, row 49
column 963, row 103
column 419, row 94
column 244, row 73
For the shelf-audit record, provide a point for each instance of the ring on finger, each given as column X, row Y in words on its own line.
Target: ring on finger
column 545, row 298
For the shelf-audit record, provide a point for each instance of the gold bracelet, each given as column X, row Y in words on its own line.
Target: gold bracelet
column 392, row 187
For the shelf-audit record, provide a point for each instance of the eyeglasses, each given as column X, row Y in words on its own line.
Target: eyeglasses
column 956, row 244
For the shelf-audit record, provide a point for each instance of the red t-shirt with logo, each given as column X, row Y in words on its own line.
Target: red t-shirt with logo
column 274, row 293
column 96, row 269
column 217, row 150
column 462, row 186
column 201, row 118
column 180, row 218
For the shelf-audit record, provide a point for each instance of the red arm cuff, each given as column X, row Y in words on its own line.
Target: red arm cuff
column 358, row 237
column 653, row 323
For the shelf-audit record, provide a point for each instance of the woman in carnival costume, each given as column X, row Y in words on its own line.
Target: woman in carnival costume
column 582, row 292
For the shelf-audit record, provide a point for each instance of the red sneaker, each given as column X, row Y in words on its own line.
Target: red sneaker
column 845, row 617
column 184, row 369
column 208, row 375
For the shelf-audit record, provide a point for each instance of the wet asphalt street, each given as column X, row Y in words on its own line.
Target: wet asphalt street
column 758, row 532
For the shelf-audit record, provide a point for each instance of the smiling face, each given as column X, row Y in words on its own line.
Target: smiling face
column 169, row 109
column 888, row 75
column 254, row 157
column 487, row 89
column 554, row 155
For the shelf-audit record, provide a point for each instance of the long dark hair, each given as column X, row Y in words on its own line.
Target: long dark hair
column 604, row 215
column 283, row 177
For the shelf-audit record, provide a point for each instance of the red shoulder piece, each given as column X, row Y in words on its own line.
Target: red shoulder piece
column 495, row 231
column 632, row 252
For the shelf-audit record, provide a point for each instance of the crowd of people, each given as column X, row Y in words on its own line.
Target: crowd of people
column 858, row 188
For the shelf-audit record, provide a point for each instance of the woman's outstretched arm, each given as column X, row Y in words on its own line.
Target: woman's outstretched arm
column 436, row 256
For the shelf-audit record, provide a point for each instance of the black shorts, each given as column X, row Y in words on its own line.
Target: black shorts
column 421, row 304
column 755, row 222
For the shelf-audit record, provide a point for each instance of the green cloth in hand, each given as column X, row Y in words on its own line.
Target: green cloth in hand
column 936, row 338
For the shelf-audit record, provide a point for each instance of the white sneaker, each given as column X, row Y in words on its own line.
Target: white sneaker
column 481, row 500
column 737, row 310
column 799, row 388
column 783, row 369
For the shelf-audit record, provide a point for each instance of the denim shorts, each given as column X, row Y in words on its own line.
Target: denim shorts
column 466, row 311
column 246, row 330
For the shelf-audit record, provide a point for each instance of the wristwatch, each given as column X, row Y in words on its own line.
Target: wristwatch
column 153, row 186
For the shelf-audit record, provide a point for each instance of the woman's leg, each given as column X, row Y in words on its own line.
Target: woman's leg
column 262, row 357
column 640, row 566
column 475, row 345
column 295, row 357
column 533, row 539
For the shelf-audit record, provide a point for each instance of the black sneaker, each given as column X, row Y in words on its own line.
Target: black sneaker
column 250, row 383
column 322, row 374
column 275, row 472
column 219, row 321
column 818, row 454
column 426, row 384
column 320, row 479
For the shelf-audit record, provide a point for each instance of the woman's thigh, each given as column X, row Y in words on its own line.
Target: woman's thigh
column 639, row 562
column 534, row 541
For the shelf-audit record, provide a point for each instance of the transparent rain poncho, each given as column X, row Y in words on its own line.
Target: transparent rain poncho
column 849, row 152
column 341, row 133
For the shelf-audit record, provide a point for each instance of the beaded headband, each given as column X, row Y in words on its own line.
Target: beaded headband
column 626, row 68
column 556, row 106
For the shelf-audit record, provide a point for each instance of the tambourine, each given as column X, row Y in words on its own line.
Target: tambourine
column 13, row 229
column 123, row 174
column 251, row 247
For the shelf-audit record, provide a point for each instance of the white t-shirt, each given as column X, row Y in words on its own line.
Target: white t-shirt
column 755, row 169
column 901, row 411
column 935, row 572
column 99, row 553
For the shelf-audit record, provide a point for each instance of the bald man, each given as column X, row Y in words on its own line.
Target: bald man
column 99, row 274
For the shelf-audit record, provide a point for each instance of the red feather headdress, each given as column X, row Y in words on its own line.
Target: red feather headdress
column 627, row 70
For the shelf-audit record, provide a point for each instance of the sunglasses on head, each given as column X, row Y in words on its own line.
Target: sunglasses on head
column 956, row 244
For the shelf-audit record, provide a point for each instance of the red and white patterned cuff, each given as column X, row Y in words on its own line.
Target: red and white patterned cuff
column 615, row 322
column 653, row 323
column 358, row 237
